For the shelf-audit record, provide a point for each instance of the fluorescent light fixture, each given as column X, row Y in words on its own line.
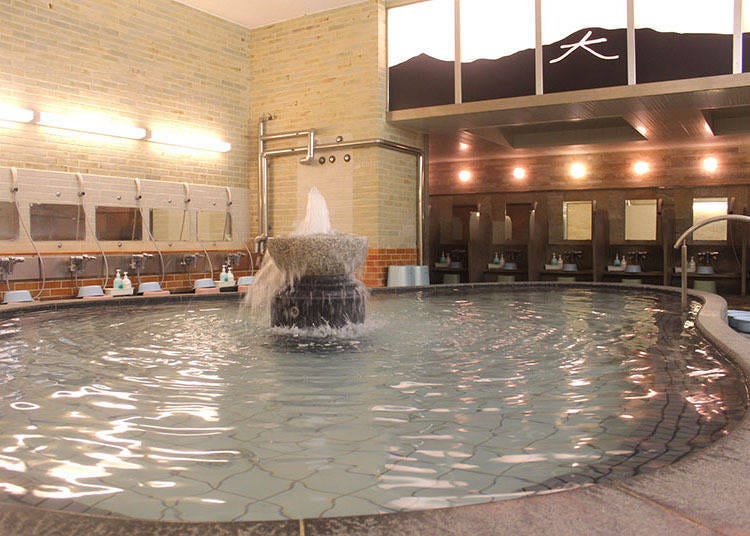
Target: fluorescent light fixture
column 190, row 141
column 16, row 114
column 93, row 124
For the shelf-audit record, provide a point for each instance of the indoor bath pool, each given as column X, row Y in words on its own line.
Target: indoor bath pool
column 189, row 410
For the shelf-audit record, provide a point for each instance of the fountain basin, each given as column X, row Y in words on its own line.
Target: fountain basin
column 318, row 254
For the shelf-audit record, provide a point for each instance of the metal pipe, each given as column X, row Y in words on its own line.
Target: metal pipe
column 310, row 150
column 681, row 241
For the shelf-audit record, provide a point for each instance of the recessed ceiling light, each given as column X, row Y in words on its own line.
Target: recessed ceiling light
column 577, row 170
column 710, row 164
column 641, row 167
column 464, row 175
column 519, row 173
column 463, row 146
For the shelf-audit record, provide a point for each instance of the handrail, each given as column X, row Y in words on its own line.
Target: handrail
column 681, row 241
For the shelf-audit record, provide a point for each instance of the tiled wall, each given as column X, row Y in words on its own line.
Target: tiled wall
column 157, row 62
column 327, row 72
column 163, row 64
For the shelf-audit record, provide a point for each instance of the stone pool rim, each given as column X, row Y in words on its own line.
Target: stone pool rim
column 704, row 493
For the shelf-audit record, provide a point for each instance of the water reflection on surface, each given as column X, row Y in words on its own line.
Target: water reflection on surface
column 196, row 412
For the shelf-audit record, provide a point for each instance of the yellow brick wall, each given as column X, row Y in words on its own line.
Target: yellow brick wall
column 155, row 61
column 327, row 72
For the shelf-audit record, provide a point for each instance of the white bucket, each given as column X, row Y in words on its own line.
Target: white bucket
column 400, row 276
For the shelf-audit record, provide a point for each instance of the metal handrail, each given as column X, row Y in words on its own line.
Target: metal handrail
column 681, row 241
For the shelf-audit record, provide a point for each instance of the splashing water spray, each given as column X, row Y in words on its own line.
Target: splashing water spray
column 307, row 278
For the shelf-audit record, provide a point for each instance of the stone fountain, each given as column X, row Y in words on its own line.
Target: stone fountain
column 308, row 277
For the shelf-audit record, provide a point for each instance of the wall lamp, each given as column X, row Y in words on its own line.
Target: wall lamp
column 106, row 126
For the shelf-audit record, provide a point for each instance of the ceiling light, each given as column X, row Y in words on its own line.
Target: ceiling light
column 463, row 146
column 519, row 173
column 16, row 114
column 642, row 130
column 577, row 170
column 641, row 167
column 191, row 141
column 710, row 164
column 464, row 175
column 93, row 124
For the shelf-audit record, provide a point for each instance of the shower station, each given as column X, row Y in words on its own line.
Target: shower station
column 316, row 265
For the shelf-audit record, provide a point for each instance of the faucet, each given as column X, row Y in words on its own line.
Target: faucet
column 138, row 260
column 260, row 243
column 6, row 266
column 78, row 262
column 190, row 259
column 233, row 259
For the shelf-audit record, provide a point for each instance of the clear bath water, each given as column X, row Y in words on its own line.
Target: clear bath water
column 195, row 412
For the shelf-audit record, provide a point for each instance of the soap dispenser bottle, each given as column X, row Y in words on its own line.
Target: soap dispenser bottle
column 617, row 260
column 230, row 275
column 496, row 260
column 117, row 283
column 223, row 276
column 126, row 284
column 554, row 261
column 691, row 267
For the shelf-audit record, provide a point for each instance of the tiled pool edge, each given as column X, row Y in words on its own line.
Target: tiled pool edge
column 703, row 494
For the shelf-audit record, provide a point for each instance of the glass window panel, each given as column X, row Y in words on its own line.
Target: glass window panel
column 677, row 39
column 640, row 219
column 214, row 226
column 708, row 207
column 421, row 54
column 577, row 216
column 170, row 224
column 50, row 221
column 584, row 44
column 118, row 223
column 8, row 221
column 746, row 36
column 497, row 49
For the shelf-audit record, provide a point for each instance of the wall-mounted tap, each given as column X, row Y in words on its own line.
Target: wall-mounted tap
column 6, row 265
column 78, row 262
column 138, row 260
column 260, row 243
column 190, row 259
column 233, row 259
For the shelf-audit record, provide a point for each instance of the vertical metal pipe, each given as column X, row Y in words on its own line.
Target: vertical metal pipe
column 421, row 193
column 261, row 175
column 684, row 276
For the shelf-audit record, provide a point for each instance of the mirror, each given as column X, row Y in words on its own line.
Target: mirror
column 577, row 216
column 640, row 219
column 118, row 223
column 8, row 221
column 707, row 207
column 171, row 224
column 214, row 226
column 51, row 221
